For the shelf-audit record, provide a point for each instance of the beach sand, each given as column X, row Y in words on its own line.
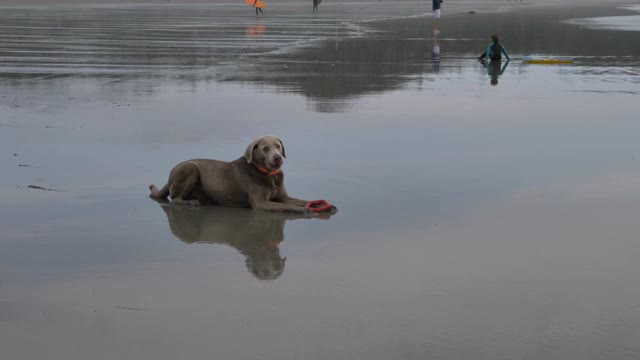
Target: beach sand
column 482, row 215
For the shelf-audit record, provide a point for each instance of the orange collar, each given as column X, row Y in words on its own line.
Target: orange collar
column 265, row 171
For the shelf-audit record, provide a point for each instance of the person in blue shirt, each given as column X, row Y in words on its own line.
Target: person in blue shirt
column 495, row 50
column 436, row 5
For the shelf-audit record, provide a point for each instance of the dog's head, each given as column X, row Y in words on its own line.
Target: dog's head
column 267, row 152
column 265, row 264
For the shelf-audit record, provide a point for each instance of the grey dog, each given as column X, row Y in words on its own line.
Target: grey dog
column 254, row 180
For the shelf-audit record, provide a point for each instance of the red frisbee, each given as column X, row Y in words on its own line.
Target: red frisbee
column 318, row 205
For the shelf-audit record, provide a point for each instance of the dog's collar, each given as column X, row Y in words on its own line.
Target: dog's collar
column 265, row 171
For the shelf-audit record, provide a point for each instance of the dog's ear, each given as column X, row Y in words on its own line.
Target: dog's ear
column 284, row 154
column 248, row 154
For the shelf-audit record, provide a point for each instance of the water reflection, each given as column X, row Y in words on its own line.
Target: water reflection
column 495, row 69
column 255, row 234
column 332, row 63
column 255, row 31
column 435, row 54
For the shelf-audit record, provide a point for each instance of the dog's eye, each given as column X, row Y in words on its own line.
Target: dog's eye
column 265, row 149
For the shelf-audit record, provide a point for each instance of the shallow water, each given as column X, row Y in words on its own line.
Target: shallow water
column 619, row 23
column 475, row 221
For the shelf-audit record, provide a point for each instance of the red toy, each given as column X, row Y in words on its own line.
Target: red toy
column 318, row 205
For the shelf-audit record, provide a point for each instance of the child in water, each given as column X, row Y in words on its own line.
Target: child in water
column 495, row 50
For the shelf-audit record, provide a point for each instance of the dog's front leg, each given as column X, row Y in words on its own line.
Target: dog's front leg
column 283, row 197
column 291, row 200
column 259, row 200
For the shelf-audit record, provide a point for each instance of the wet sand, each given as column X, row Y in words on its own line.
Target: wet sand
column 476, row 220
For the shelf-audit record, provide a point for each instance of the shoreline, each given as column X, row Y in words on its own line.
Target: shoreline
column 482, row 215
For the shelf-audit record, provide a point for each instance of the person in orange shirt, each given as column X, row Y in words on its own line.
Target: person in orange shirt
column 257, row 8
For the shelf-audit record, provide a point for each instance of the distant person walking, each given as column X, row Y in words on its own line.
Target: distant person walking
column 495, row 50
column 315, row 5
column 437, row 4
column 258, row 8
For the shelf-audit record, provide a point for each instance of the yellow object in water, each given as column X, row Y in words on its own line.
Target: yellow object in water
column 542, row 60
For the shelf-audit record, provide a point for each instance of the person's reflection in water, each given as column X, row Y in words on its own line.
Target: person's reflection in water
column 435, row 54
column 254, row 31
column 255, row 234
column 495, row 69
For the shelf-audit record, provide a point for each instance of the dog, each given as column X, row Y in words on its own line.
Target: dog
column 255, row 234
column 254, row 180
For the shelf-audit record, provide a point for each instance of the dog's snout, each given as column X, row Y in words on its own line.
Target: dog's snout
column 277, row 158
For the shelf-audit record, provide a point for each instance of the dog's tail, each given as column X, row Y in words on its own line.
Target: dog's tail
column 159, row 194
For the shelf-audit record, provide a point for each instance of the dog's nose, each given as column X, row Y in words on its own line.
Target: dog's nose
column 277, row 159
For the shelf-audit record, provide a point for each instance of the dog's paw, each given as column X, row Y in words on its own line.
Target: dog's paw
column 185, row 202
column 309, row 212
column 192, row 203
column 326, row 214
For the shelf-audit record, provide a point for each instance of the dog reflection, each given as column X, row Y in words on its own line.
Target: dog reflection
column 255, row 234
